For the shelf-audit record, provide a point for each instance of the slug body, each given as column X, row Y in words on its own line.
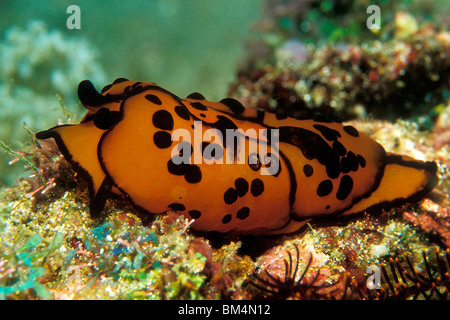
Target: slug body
column 230, row 168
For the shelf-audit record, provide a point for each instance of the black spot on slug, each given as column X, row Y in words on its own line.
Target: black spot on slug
column 349, row 163
column 177, row 206
column 354, row 163
column 328, row 133
column 351, row 131
column 235, row 106
column 241, row 186
column 345, row 187
column 105, row 119
column 361, row 160
column 257, row 187
column 243, row 213
column 154, row 99
column 339, row 148
column 230, row 196
column 182, row 112
column 136, row 84
column 324, row 188
column 308, row 170
column 226, row 218
column 162, row 139
column 313, row 146
column 163, row 120
column 177, row 169
column 199, row 106
column 195, row 214
column 193, row 174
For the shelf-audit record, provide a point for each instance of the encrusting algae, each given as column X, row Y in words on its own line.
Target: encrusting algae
column 67, row 255
column 51, row 248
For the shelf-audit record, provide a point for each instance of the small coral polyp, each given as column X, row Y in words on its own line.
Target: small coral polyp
column 124, row 146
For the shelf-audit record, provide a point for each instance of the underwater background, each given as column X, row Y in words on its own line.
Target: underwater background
column 298, row 57
column 183, row 45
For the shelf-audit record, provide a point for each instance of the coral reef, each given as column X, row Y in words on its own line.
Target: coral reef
column 433, row 220
column 51, row 249
column 56, row 251
column 350, row 81
column 402, row 281
column 319, row 22
column 319, row 57
column 333, row 260
column 412, row 283
column 441, row 131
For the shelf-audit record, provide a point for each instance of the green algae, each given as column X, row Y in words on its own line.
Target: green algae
column 50, row 248
column 54, row 250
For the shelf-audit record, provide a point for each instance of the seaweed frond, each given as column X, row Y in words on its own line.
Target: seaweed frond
column 23, row 157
